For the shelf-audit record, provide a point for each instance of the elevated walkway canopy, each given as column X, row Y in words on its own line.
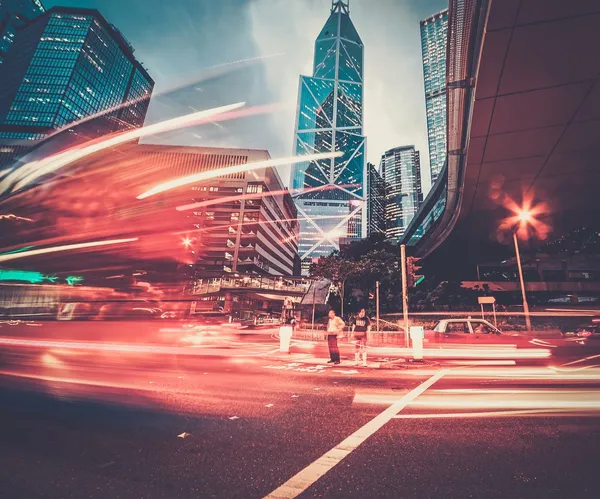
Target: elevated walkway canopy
column 523, row 127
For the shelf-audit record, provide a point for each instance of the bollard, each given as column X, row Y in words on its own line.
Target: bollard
column 285, row 336
column 417, row 334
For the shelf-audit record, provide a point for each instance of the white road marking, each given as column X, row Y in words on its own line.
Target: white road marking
column 309, row 475
column 526, row 412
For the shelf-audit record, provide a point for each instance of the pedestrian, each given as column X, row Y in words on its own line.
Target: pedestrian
column 335, row 329
column 360, row 329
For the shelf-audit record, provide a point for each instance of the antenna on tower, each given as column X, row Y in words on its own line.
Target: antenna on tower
column 340, row 6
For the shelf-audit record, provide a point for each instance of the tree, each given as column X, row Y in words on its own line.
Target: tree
column 358, row 266
column 337, row 269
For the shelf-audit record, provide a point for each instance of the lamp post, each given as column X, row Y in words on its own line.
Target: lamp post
column 525, row 218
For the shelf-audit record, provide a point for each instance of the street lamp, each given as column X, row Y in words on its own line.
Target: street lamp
column 525, row 218
column 523, row 222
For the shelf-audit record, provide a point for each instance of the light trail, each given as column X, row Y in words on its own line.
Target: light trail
column 581, row 360
column 12, row 216
column 258, row 195
column 199, row 177
column 517, row 373
column 126, row 348
column 477, row 353
column 67, row 247
column 502, row 399
column 35, row 169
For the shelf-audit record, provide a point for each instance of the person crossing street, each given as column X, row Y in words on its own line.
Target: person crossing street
column 360, row 329
column 335, row 329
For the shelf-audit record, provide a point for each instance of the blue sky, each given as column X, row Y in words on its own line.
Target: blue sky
column 181, row 41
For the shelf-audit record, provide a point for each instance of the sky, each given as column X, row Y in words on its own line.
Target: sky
column 205, row 53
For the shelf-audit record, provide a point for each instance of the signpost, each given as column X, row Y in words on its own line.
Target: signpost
column 490, row 300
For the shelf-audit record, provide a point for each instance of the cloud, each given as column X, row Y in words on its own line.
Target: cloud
column 394, row 96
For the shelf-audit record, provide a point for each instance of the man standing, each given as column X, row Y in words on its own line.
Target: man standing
column 360, row 328
column 335, row 328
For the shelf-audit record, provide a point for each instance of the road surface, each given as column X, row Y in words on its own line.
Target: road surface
column 81, row 418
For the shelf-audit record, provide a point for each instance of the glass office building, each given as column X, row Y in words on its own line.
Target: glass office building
column 63, row 67
column 401, row 170
column 13, row 15
column 376, row 192
column 330, row 194
column 434, row 40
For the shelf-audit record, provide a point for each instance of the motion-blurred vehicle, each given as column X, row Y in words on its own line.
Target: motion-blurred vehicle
column 261, row 321
column 481, row 332
column 586, row 333
column 209, row 317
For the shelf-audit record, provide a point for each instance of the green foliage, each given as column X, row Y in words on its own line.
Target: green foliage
column 356, row 268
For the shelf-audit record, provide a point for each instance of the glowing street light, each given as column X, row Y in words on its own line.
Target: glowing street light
column 525, row 304
column 525, row 216
column 186, row 241
column 523, row 223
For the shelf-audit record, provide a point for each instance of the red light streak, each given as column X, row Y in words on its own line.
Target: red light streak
column 31, row 171
column 67, row 247
column 199, row 177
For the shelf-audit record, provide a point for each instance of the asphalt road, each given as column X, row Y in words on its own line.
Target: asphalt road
column 237, row 419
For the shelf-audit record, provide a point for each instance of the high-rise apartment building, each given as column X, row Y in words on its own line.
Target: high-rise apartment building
column 13, row 15
column 434, row 41
column 401, row 170
column 64, row 66
column 330, row 194
column 376, row 193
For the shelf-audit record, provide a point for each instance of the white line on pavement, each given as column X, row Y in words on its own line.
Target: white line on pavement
column 309, row 475
column 487, row 414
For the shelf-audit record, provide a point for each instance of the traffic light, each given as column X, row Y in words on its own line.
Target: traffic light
column 412, row 278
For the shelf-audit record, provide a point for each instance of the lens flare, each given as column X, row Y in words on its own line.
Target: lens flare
column 525, row 218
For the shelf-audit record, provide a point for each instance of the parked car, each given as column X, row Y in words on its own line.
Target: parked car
column 481, row 332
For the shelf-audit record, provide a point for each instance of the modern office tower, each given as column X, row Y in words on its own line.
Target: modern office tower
column 401, row 170
column 64, row 67
column 330, row 194
column 434, row 40
column 376, row 193
column 14, row 14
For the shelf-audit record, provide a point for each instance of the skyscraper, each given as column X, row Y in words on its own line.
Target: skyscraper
column 330, row 194
column 376, row 192
column 13, row 14
column 64, row 66
column 401, row 170
column 434, row 40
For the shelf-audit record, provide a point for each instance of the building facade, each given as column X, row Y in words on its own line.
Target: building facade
column 331, row 194
column 401, row 170
column 434, row 41
column 237, row 223
column 376, row 201
column 64, row 67
column 13, row 15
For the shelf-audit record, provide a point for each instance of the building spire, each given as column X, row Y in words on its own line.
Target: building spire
column 340, row 6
